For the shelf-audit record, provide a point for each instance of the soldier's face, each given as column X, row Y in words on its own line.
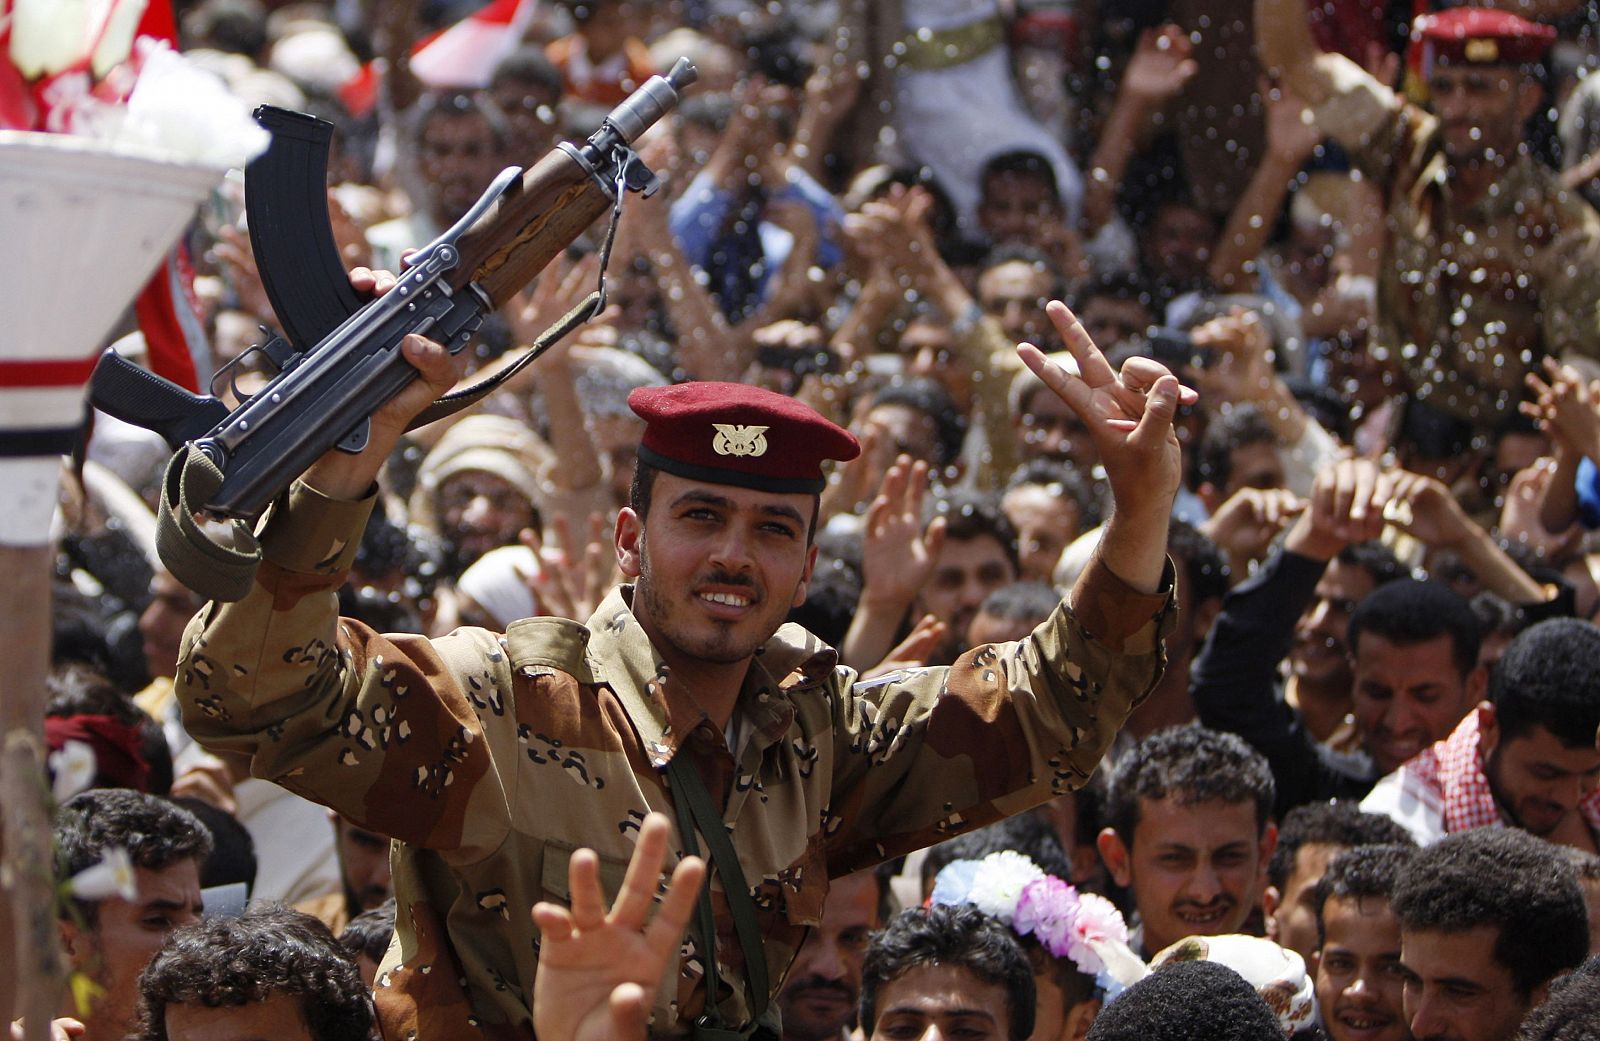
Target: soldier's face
column 718, row 568
column 1481, row 109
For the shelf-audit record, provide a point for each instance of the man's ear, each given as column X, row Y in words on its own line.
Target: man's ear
column 628, row 538
column 805, row 577
column 1080, row 1019
column 1271, row 902
column 1269, row 842
column 1205, row 616
column 1530, row 96
column 1116, row 856
column 1085, row 861
column 1477, row 684
column 1488, row 730
column 76, row 941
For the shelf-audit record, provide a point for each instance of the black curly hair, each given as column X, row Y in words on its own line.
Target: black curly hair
column 1549, row 677
column 1365, row 872
column 233, row 962
column 1193, row 765
column 960, row 936
column 1572, row 1012
column 1341, row 824
column 1507, row 880
column 370, row 932
column 155, row 833
column 1188, row 1001
column 1409, row 611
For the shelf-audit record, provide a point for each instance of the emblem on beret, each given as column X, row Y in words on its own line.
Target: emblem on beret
column 736, row 439
column 1482, row 50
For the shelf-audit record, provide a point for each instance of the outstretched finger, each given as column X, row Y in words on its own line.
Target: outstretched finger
column 886, row 503
column 1092, row 364
column 1066, row 386
column 644, row 868
column 666, row 930
column 1536, row 384
column 583, row 884
column 933, row 538
column 1363, row 501
column 916, row 490
column 554, row 922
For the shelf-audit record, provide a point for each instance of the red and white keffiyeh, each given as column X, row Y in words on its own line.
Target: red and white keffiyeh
column 1453, row 768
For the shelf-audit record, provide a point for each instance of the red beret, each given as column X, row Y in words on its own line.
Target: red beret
column 728, row 433
column 1479, row 36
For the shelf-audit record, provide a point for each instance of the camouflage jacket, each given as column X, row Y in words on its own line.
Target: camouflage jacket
column 490, row 758
column 1471, row 296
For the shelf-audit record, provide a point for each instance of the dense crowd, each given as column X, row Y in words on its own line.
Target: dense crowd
column 1361, row 799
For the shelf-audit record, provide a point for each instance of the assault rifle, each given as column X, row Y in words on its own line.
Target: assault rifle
column 339, row 357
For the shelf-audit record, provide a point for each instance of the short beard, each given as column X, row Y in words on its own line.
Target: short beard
column 714, row 652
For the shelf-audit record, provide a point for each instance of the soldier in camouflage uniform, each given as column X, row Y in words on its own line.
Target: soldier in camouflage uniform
column 1489, row 264
column 489, row 758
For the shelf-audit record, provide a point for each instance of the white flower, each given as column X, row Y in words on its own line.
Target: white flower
column 113, row 876
column 73, row 769
column 999, row 883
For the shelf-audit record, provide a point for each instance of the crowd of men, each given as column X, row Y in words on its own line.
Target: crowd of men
column 1221, row 665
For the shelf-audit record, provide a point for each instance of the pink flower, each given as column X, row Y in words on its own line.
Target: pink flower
column 1048, row 909
column 1097, row 922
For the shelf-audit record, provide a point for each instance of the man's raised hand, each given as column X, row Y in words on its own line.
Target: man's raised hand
column 898, row 552
column 1129, row 415
column 599, row 969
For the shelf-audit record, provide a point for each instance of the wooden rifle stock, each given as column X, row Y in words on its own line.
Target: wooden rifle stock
column 550, row 206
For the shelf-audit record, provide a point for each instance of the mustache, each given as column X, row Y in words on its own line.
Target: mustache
column 819, row 983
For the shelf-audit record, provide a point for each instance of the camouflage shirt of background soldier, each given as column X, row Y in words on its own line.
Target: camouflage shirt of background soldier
column 1470, row 295
column 491, row 758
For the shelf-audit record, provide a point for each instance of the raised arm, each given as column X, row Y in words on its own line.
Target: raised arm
column 1288, row 51
column 831, row 93
column 1158, row 71
column 1129, row 415
column 1291, row 139
column 897, row 556
column 707, row 347
column 1424, row 508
